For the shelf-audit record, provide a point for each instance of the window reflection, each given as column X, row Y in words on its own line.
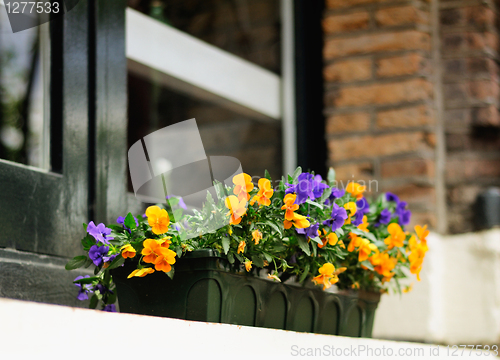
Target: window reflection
column 23, row 91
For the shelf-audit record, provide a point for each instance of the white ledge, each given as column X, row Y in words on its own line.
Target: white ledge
column 29, row 328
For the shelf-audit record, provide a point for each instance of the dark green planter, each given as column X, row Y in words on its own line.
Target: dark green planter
column 204, row 290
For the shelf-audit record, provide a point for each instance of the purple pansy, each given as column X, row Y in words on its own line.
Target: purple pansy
column 385, row 217
column 403, row 214
column 102, row 289
column 339, row 215
column 99, row 232
column 311, row 231
column 303, row 188
column 392, row 197
column 362, row 208
column 318, row 187
column 85, row 289
column 97, row 253
column 336, row 194
column 109, row 308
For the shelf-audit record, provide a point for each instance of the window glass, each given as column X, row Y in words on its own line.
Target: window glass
column 249, row 29
column 23, row 94
column 255, row 142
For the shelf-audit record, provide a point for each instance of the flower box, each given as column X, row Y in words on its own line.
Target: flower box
column 203, row 289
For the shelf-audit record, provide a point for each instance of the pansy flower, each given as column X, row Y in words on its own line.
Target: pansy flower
column 84, row 289
column 303, row 189
column 158, row 219
column 289, row 206
column 355, row 189
column 257, row 236
column 141, row 272
column 396, row 237
column 265, row 193
column 365, row 249
column 310, row 232
column 97, row 253
column 299, row 221
column 150, row 250
column 109, row 308
column 318, row 187
column 165, row 258
column 241, row 246
column 336, row 194
column 243, row 186
column 127, row 251
column 403, row 214
column 100, row 232
column 248, row 265
column 237, row 208
column 392, row 197
column 337, row 219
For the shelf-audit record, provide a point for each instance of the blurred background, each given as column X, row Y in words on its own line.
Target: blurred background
column 403, row 95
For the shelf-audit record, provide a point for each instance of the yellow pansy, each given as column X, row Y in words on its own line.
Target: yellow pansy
column 257, row 236
column 158, row 219
column 396, row 237
column 365, row 249
column 248, row 265
column 141, row 272
column 243, row 186
column 237, row 208
column 299, row 221
column 166, row 257
column 241, row 246
column 355, row 190
column 128, row 251
column 150, row 250
column 265, row 193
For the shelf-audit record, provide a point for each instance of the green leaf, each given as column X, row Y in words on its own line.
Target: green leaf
column 240, row 258
column 317, row 239
column 76, row 262
column 339, row 232
column 87, row 242
column 314, row 204
column 274, row 226
column 85, row 227
column 93, row 302
column 118, row 261
column 367, row 264
column 279, row 247
column 86, row 280
column 296, row 173
column 230, row 258
column 219, row 190
column 367, row 235
column 171, row 273
column 88, row 263
column 111, row 298
column 304, row 245
column 304, row 274
column 257, row 261
column 267, row 175
column 177, row 214
column 225, row 244
column 130, row 221
column 325, row 195
column 331, row 177
column 268, row 257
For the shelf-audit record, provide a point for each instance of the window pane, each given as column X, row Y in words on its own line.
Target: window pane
column 23, row 94
column 256, row 143
column 249, row 29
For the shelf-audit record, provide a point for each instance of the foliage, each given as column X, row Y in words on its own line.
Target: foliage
column 306, row 228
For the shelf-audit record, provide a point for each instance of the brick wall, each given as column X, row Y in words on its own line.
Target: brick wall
column 380, row 98
column 469, row 52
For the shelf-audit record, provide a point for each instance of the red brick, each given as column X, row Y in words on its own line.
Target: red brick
column 405, row 117
column 481, row 41
column 349, row 70
column 485, row 90
column 453, row 42
column 463, row 194
column 357, row 171
column 348, row 122
column 402, row 65
column 485, row 116
column 456, row 142
column 407, row 168
column 423, row 218
column 346, row 22
column 413, row 193
column 335, row 4
column 372, row 146
column 381, row 94
column 452, row 17
column 365, row 44
column 403, row 15
column 458, row 168
column 481, row 17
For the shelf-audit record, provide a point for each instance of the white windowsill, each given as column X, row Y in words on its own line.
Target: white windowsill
column 29, row 328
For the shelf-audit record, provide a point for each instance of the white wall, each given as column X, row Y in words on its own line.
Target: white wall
column 458, row 299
